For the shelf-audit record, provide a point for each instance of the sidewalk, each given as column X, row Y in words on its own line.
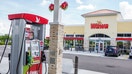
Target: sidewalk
column 101, row 54
column 83, row 53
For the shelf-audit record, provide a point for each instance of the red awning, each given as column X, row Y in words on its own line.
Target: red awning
column 128, row 39
column 30, row 18
column 71, row 38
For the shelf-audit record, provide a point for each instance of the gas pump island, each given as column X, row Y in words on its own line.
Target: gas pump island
column 27, row 43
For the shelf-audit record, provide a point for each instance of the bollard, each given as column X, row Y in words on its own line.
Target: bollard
column 76, row 65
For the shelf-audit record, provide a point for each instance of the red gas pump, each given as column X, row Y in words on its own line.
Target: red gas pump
column 33, row 55
column 27, row 43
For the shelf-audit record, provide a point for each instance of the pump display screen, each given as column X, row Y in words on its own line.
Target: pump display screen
column 29, row 35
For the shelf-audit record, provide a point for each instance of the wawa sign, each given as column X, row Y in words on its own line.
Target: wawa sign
column 99, row 25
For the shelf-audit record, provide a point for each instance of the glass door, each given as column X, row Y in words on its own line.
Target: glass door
column 99, row 46
column 105, row 45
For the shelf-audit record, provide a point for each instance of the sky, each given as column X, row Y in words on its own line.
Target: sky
column 70, row 16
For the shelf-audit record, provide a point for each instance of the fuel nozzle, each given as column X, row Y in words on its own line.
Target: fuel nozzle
column 43, row 57
column 28, row 58
column 9, row 56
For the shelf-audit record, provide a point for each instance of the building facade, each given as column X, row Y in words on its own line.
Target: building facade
column 102, row 28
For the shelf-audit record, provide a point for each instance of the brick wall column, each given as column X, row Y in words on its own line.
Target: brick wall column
column 55, row 49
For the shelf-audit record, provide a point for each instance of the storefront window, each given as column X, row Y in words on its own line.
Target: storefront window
column 120, row 44
column 124, row 35
column 79, row 43
column 68, row 43
column 99, row 35
column 124, row 44
column 127, row 45
column 127, row 35
column 79, row 35
column 119, row 35
column 91, row 45
column 69, row 35
column 106, row 43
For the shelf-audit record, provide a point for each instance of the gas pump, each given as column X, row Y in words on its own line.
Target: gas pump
column 27, row 43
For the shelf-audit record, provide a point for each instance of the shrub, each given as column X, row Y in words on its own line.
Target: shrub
column 2, row 43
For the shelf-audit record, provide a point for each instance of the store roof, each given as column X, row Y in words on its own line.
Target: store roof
column 102, row 12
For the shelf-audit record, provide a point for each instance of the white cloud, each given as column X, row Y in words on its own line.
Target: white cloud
column 79, row 1
column 45, row 2
column 88, row 7
column 126, row 10
column 4, row 27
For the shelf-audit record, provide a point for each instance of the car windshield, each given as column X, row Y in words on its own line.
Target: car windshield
column 113, row 47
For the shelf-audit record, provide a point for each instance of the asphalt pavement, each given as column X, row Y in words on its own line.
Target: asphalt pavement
column 109, row 65
column 68, row 67
column 7, row 50
column 89, row 63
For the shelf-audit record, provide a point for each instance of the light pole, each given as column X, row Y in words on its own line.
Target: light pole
column 56, row 41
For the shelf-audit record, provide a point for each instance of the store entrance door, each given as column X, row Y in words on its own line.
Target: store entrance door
column 99, row 46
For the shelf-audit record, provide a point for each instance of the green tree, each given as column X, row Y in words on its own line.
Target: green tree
column 3, row 39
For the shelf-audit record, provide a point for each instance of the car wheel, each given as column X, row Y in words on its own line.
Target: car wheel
column 117, row 55
column 130, row 57
column 105, row 54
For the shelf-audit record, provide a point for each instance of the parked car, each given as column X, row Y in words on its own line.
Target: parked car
column 112, row 51
column 130, row 54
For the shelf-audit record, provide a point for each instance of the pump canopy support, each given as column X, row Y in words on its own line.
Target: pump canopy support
column 20, row 45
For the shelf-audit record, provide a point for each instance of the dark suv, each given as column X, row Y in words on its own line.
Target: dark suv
column 112, row 50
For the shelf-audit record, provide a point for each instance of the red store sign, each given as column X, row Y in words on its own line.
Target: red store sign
column 99, row 25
